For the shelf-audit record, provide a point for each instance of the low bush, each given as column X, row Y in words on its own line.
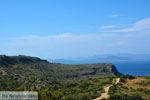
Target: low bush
column 125, row 97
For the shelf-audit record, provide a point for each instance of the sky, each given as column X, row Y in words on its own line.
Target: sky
column 54, row 29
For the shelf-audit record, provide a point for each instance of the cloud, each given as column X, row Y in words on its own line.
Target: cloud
column 114, row 16
column 65, row 35
column 141, row 25
column 74, row 44
column 108, row 26
column 40, row 38
column 32, row 36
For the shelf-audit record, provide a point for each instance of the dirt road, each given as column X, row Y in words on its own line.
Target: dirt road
column 106, row 88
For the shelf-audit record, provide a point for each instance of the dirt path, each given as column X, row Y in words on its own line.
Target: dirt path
column 106, row 88
column 117, row 80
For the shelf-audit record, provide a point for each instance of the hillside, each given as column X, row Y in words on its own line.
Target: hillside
column 54, row 81
column 25, row 70
column 131, row 88
column 11, row 60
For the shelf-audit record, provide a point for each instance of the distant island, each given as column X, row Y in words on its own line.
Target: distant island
column 133, row 64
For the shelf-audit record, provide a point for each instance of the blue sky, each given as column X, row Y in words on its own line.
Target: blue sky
column 71, row 28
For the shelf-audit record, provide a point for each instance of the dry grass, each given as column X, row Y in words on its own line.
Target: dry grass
column 135, row 83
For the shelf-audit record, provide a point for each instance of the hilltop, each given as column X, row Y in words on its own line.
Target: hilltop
column 23, row 69
column 11, row 60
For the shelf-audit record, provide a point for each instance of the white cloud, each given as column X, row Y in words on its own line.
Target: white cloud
column 32, row 36
column 108, row 26
column 65, row 35
column 73, row 45
column 141, row 25
column 114, row 16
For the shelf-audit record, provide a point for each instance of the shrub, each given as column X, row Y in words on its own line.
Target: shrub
column 125, row 97
column 128, row 77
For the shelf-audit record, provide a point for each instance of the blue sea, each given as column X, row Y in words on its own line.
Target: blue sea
column 138, row 68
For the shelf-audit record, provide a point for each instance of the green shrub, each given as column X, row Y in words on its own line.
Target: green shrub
column 128, row 77
column 125, row 97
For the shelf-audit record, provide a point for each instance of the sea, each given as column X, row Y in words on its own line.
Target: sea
column 137, row 68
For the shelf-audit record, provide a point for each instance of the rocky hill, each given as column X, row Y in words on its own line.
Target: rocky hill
column 25, row 70
column 11, row 60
